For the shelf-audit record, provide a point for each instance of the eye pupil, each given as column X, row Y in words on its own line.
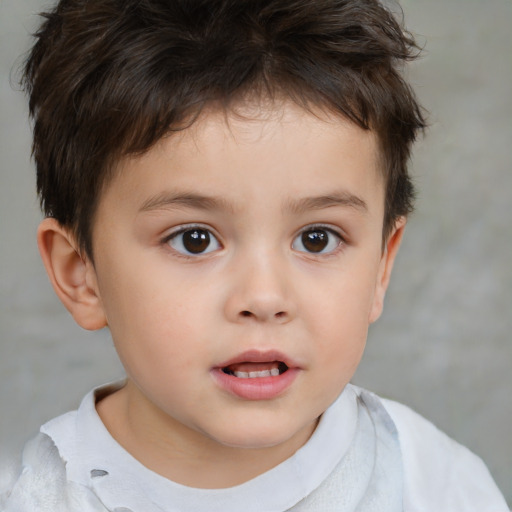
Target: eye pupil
column 315, row 241
column 196, row 240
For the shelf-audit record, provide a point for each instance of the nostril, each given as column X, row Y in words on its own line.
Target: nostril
column 280, row 315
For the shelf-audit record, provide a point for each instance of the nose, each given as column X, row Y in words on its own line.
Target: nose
column 260, row 291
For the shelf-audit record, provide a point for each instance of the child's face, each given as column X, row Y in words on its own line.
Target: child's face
column 233, row 251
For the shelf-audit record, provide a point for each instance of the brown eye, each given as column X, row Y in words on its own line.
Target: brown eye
column 317, row 240
column 194, row 241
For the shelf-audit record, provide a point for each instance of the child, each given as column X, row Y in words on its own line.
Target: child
column 225, row 186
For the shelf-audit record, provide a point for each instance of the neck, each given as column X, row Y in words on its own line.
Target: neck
column 181, row 454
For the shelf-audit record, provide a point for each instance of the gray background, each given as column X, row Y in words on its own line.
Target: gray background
column 443, row 345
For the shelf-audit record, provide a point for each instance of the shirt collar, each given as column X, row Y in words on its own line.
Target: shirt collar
column 94, row 459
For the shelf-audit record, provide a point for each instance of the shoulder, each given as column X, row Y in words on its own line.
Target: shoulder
column 438, row 471
column 39, row 482
column 42, row 485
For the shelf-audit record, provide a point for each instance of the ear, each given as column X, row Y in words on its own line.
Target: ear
column 72, row 276
column 385, row 267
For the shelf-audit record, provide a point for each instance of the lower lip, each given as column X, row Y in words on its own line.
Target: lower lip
column 258, row 388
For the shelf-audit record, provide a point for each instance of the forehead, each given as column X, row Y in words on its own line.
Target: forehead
column 256, row 121
column 265, row 145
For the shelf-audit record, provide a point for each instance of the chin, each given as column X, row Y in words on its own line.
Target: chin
column 255, row 443
column 262, row 436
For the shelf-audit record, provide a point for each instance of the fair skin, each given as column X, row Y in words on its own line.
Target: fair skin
column 238, row 265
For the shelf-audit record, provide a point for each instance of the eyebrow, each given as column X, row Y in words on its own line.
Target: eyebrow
column 185, row 200
column 212, row 203
column 342, row 198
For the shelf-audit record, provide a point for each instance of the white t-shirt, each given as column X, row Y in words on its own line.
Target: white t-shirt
column 366, row 455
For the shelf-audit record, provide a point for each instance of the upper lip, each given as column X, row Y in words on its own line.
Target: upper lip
column 259, row 356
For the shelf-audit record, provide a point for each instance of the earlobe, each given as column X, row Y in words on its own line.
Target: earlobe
column 386, row 266
column 72, row 276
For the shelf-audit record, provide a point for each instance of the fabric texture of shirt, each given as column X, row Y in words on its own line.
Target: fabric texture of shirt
column 366, row 455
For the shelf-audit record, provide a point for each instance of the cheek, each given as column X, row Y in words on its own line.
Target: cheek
column 344, row 298
column 146, row 317
column 338, row 314
column 342, row 345
column 162, row 322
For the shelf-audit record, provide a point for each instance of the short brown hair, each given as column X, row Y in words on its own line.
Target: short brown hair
column 109, row 78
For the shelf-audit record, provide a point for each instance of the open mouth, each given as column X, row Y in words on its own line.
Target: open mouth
column 257, row 374
column 248, row 370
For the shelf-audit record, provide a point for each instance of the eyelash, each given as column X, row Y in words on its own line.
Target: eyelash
column 190, row 228
column 321, row 228
column 212, row 237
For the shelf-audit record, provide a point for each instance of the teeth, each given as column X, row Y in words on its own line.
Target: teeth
column 254, row 375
